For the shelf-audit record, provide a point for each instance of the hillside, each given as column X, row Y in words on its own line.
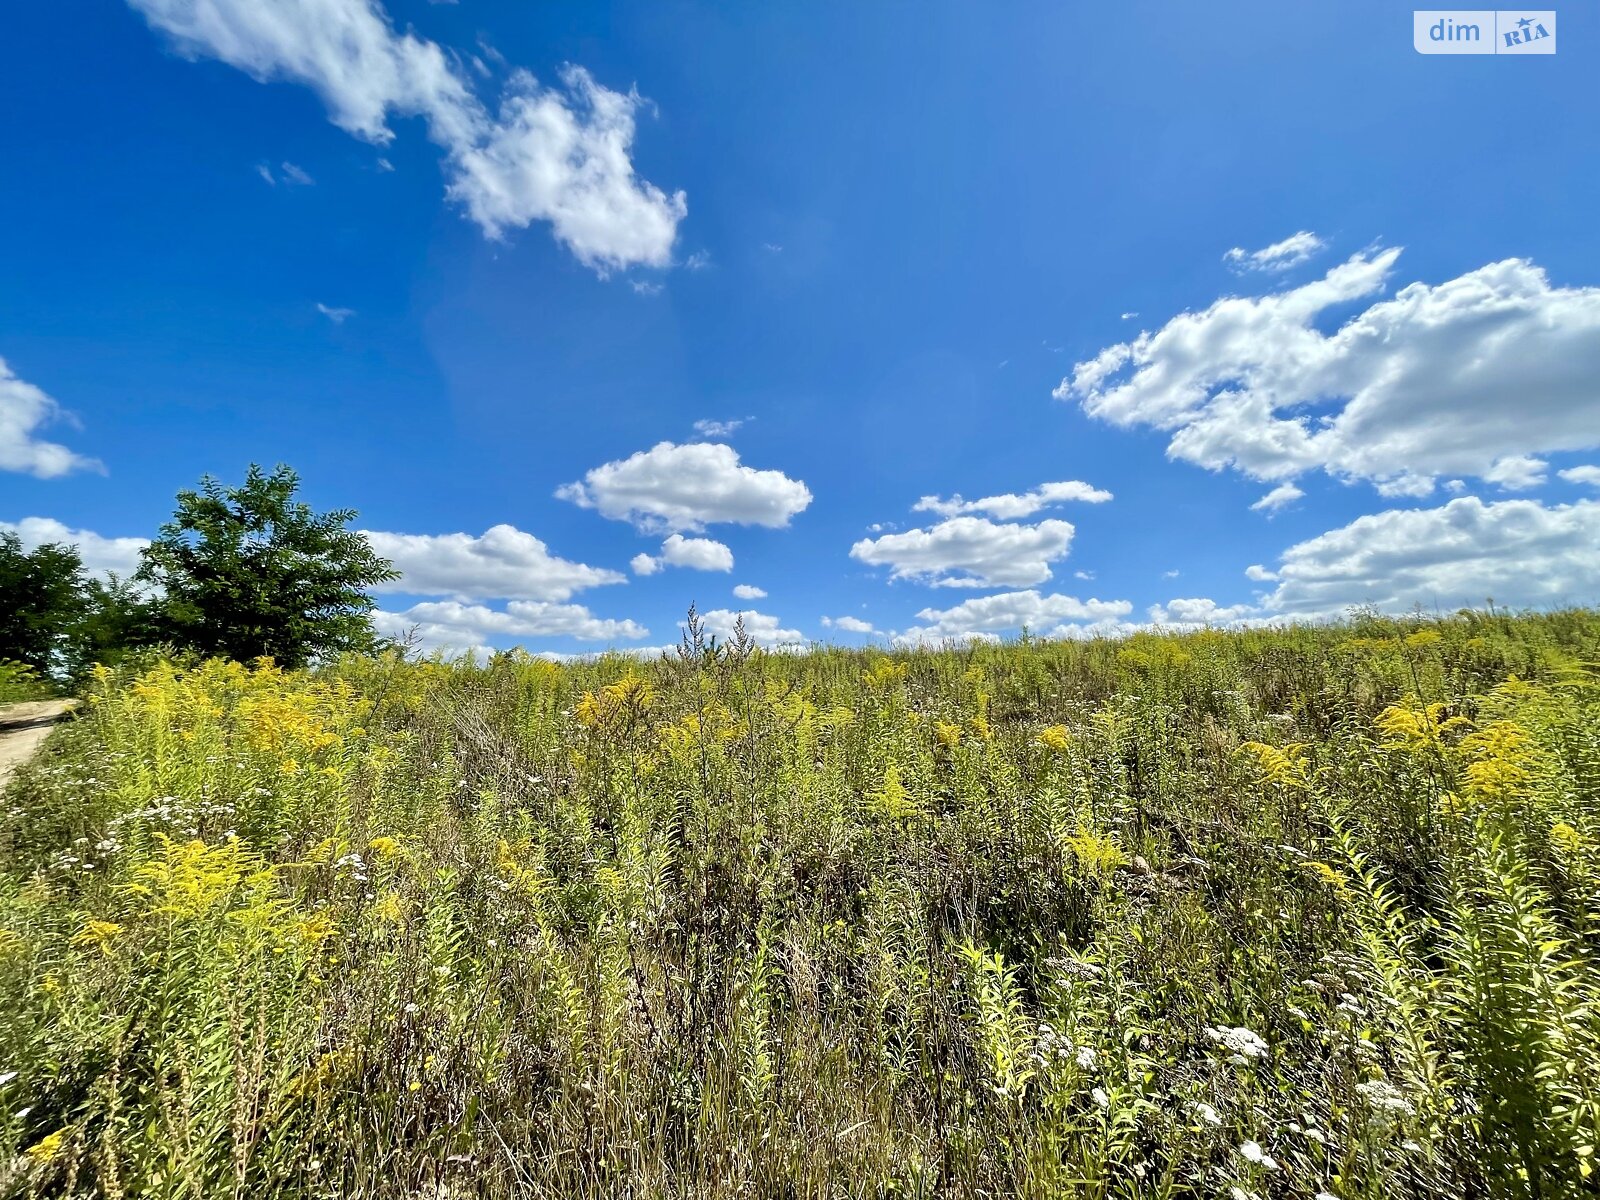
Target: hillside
column 1272, row 913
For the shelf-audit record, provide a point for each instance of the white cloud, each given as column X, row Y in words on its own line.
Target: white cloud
column 1198, row 611
column 1285, row 493
column 1011, row 506
column 337, row 315
column 504, row 564
column 746, row 591
column 698, row 554
column 1517, row 473
column 764, row 629
column 1584, row 474
column 848, row 624
column 1280, row 256
column 1474, row 376
column 101, row 555
column 546, row 154
column 1519, row 552
column 1007, row 612
column 1259, row 573
column 685, row 488
column 719, row 429
column 970, row 552
column 451, row 625
column 24, row 410
column 291, row 175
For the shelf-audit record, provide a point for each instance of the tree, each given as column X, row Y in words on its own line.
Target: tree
column 117, row 618
column 61, row 620
column 42, row 600
column 249, row 571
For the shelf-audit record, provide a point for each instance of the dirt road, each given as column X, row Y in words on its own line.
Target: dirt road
column 23, row 728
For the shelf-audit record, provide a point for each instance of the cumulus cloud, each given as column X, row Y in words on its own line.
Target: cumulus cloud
column 848, row 624
column 1519, row 552
column 1517, row 472
column 101, row 556
column 1584, row 474
column 503, row 564
column 1007, row 612
column 452, row 625
column 1280, row 256
column 698, row 554
column 685, row 488
column 764, row 629
column 1010, row 506
column 1199, row 611
column 970, row 552
column 748, row 591
column 1284, row 494
column 559, row 155
column 1474, row 376
column 24, row 410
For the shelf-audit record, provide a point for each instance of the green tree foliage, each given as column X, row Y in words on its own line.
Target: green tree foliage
column 250, row 571
column 117, row 619
column 58, row 619
column 41, row 601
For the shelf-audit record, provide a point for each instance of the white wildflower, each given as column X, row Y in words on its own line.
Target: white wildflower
column 1241, row 1044
column 1253, row 1152
column 1385, row 1097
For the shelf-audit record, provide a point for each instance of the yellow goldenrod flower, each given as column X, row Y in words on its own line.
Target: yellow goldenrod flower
column 99, row 934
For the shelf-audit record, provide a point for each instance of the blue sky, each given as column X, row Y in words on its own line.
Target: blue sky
column 449, row 259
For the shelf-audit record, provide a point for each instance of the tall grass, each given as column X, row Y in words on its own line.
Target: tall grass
column 19, row 682
column 1275, row 913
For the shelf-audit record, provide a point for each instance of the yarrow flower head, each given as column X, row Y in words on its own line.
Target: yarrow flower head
column 1241, row 1044
column 1386, row 1102
column 1252, row 1152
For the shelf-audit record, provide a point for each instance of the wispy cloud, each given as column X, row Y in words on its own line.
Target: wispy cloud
column 287, row 173
column 1280, row 256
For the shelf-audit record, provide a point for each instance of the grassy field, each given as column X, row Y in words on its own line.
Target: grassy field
column 1271, row 913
